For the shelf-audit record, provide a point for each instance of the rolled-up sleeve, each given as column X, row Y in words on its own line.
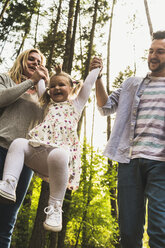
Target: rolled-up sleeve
column 111, row 105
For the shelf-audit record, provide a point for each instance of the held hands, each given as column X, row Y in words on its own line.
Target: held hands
column 40, row 73
column 95, row 63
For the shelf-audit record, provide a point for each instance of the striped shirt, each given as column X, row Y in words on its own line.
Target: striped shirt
column 149, row 139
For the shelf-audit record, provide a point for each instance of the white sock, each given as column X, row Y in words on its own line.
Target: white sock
column 52, row 201
column 11, row 178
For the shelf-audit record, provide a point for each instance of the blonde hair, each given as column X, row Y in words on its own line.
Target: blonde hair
column 76, row 85
column 16, row 72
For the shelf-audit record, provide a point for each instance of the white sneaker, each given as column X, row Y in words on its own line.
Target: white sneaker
column 7, row 191
column 53, row 220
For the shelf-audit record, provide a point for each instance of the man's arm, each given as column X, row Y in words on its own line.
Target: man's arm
column 101, row 94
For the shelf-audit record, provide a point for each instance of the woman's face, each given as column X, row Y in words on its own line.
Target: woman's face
column 34, row 60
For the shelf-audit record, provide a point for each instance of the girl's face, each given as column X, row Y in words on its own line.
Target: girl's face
column 34, row 60
column 60, row 88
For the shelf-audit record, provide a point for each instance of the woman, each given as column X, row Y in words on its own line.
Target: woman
column 19, row 111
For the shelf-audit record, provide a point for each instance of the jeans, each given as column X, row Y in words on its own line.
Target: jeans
column 8, row 213
column 138, row 181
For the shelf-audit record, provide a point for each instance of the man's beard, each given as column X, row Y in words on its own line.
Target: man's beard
column 159, row 68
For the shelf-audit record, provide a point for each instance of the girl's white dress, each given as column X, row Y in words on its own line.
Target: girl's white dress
column 59, row 128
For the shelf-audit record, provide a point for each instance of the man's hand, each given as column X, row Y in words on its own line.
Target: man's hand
column 95, row 63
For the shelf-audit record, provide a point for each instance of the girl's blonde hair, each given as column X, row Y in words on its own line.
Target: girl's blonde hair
column 76, row 85
column 20, row 64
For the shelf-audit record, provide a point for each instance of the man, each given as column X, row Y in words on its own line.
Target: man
column 137, row 142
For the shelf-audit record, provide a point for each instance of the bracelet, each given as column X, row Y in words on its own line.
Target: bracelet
column 99, row 76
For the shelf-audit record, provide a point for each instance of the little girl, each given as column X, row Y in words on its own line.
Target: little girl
column 52, row 148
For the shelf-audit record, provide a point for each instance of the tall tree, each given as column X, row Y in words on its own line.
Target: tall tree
column 111, row 167
column 72, row 48
column 112, row 190
column 66, row 60
column 36, row 28
column 53, row 42
column 89, row 52
column 148, row 17
column 4, row 9
column 90, row 45
column 16, row 25
column 22, row 225
column 40, row 240
column 69, row 35
column 54, row 35
column 87, row 178
column 25, row 34
column 84, row 175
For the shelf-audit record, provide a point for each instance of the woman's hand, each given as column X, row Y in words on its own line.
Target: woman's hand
column 40, row 73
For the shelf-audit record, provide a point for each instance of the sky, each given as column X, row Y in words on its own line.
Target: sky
column 124, row 38
column 128, row 45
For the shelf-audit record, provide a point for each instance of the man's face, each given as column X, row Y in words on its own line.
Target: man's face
column 156, row 58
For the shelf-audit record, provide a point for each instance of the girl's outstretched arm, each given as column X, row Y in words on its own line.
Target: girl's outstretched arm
column 101, row 94
column 85, row 91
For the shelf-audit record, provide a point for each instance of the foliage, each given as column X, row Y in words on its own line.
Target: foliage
column 27, row 213
column 122, row 76
column 98, row 223
column 15, row 26
column 17, row 17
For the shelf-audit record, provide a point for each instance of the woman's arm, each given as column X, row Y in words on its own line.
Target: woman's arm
column 10, row 92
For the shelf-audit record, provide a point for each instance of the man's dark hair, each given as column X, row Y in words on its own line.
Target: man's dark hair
column 159, row 35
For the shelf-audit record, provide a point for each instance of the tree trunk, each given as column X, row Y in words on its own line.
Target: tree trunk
column 22, row 225
column 53, row 237
column 22, row 43
column 36, row 29
column 66, row 210
column 84, row 175
column 73, row 36
column 26, row 32
column 91, row 38
column 49, row 60
column 4, row 9
column 89, row 52
column 148, row 17
column 87, row 186
column 69, row 36
column 38, row 233
column 112, row 190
